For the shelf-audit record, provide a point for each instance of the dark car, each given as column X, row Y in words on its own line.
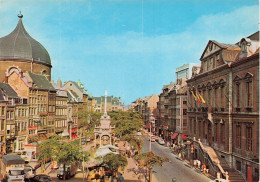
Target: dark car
column 41, row 178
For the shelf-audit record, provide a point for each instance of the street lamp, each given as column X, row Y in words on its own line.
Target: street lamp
column 83, row 166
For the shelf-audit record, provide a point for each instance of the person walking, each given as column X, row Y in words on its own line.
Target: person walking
column 121, row 178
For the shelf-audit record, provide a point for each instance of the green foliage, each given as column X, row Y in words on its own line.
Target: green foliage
column 125, row 122
column 88, row 119
column 149, row 160
column 32, row 139
column 134, row 141
column 47, row 149
column 114, row 161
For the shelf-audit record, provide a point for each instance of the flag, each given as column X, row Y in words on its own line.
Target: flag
column 197, row 92
column 194, row 96
column 198, row 97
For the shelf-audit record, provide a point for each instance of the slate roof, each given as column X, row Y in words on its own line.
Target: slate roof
column 41, row 82
column 81, row 89
column 60, row 91
column 113, row 100
column 19, row 44
column 224, row 46
column 8, row 90
column 12, row 159
column 1, row 96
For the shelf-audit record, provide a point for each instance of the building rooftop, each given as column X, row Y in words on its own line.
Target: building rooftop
column 20, row 45
column 8, row 90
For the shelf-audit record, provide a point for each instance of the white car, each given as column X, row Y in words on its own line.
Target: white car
column 219, row 180
column 139, row 133
column 161, row 142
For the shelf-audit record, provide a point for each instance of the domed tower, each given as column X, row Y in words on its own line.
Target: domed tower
column 19, row 51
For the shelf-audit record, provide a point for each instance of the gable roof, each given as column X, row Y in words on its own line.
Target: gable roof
column 230, row 47
column 41, row 82
column 8, row 90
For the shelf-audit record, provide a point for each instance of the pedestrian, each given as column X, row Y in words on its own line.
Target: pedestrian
column 195, row 163
column 121, row 178
column 204, row 168
column 199, row 163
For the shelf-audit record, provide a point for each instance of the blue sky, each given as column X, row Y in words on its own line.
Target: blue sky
column 131, row 48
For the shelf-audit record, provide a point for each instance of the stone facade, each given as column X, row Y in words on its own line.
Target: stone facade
column 228, row 121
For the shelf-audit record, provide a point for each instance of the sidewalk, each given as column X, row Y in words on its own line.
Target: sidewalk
column 133, row 173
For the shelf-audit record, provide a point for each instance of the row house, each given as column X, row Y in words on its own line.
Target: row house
column 3, row 104
column 147, row 106
column 78, row 101
column 38, row 94
column 172, row 112
column 178, row 112
column 61, row 108
column 10, row 99
column 225, row 128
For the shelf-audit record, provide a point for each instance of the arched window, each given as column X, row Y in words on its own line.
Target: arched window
column 44, row 72
column 11, row 70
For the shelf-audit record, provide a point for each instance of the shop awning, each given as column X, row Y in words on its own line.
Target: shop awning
column 148, row 126
column 184, row 136
column 175, row 135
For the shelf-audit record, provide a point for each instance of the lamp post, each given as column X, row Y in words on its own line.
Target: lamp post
column 83, row 166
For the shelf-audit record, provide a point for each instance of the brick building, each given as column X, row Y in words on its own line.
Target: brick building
column 224, row 129
column 147, row 106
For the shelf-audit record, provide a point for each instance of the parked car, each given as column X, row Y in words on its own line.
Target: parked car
column 157, row 138
column 41, row 178
column 161, row 141
column 139, row 133
column 152, row 138
column 219, row 180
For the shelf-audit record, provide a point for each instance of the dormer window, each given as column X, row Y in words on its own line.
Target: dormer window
column 244, row 46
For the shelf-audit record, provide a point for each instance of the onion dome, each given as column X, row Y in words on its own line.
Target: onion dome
column 20, row 45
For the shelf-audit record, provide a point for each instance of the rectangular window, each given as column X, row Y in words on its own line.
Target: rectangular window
column 184, row 112
column 237, row 96
column 249, row 138
column 222, row 97
column 238, row 136
column 249, row 94
column 223, row 133
column 2, row 111
column 2, row 124
column 216, row 132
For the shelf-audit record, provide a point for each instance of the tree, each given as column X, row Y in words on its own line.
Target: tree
column 68, row 152
column 149, row 160
column 47, row 150
column 88, row 119
column 134, row 141
column 125, row 122
column 114, row 161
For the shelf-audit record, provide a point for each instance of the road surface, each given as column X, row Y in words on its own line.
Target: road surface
column 176, row 168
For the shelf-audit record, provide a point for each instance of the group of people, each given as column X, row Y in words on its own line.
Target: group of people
column 203, row 168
